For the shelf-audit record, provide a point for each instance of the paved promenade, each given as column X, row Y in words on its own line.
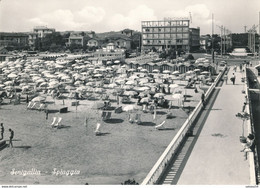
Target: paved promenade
column 216, row 158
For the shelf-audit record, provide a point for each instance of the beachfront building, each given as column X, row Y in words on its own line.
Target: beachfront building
column 175, row 33
column 75, row 39
column 42, row 31
column 32, row 39
column 93, row 42
column 13, row 39
column 204, row 42
column 181, row 67
column 194, row 39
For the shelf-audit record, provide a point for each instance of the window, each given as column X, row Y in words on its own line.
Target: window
column 167, row 36
column 185, row 35
column 179, row 36
column 161, row 36
column 167, row 30
column 179, row 29
column 185, row 42
column 173, row 30
column 185, row 29
column 186, row 23
column 160, row 42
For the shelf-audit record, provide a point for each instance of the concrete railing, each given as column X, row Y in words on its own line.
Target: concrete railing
column 162, row 163
column 250, row 129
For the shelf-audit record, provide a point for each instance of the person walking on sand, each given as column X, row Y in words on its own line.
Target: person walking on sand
column 11, row 137
column 233, row 78
column 2, row 129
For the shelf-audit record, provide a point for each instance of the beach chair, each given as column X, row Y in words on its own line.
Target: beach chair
column 41, row 107
column 53, row 121
column 160, row 126
column 33, row 105
column 58, row 123
column 30, row 104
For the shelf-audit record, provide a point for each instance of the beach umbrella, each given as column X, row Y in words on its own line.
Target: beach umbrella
column 8, row 83
column 144, row 70
column 109, row 68
column 44, row 84
column 158, row 95
column 99, row 90
column 174, row 86
column 197, row 70
column 189, row 72
column 166, row 72
column 204, row 72
column 145, row 100
column 131, row 70
column 130, row 108
column 98, row 75
column 112, row 85
column 130, row 93
column 12, row 75
column 127, row 87
column 98, row 105
column 176, row 96
column 175, row 73
column 39, row 99
column 130, row 82
column 116, row 61
column 145, row 88
column 155, row 71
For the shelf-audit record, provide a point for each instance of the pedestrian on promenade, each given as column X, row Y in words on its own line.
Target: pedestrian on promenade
column 203, row 100
column 2, row 129
column 244, row 107
column 249, row 146
column 233, row 78
column 226, row 78
column 11, row 137
column 235, row 68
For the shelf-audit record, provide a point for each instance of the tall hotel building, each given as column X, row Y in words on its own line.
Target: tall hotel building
column 175, row 33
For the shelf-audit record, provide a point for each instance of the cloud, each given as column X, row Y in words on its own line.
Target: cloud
column 132, row 19
column 199, row 12
column 64, row 19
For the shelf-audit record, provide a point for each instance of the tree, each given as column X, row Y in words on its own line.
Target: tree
column 189, row 57
column 52, row 39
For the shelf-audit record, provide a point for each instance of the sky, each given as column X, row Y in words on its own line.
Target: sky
column 115, row 15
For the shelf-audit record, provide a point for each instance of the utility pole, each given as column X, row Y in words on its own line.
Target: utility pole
column 259, row 37
column 212, row 40
column 224, row 41
column 221, row 39
column 245, row 28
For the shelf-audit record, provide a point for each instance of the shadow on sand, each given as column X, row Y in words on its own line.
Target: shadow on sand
column 23, row 147
column 102, row 134
column 114, row 121
column 147, row 123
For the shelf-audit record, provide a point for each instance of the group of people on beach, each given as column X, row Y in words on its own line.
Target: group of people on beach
column 2, row 129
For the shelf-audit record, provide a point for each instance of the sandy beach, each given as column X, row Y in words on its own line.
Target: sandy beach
column 125, row 151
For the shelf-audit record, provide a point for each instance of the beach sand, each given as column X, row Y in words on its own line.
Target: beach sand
column 125, row 151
